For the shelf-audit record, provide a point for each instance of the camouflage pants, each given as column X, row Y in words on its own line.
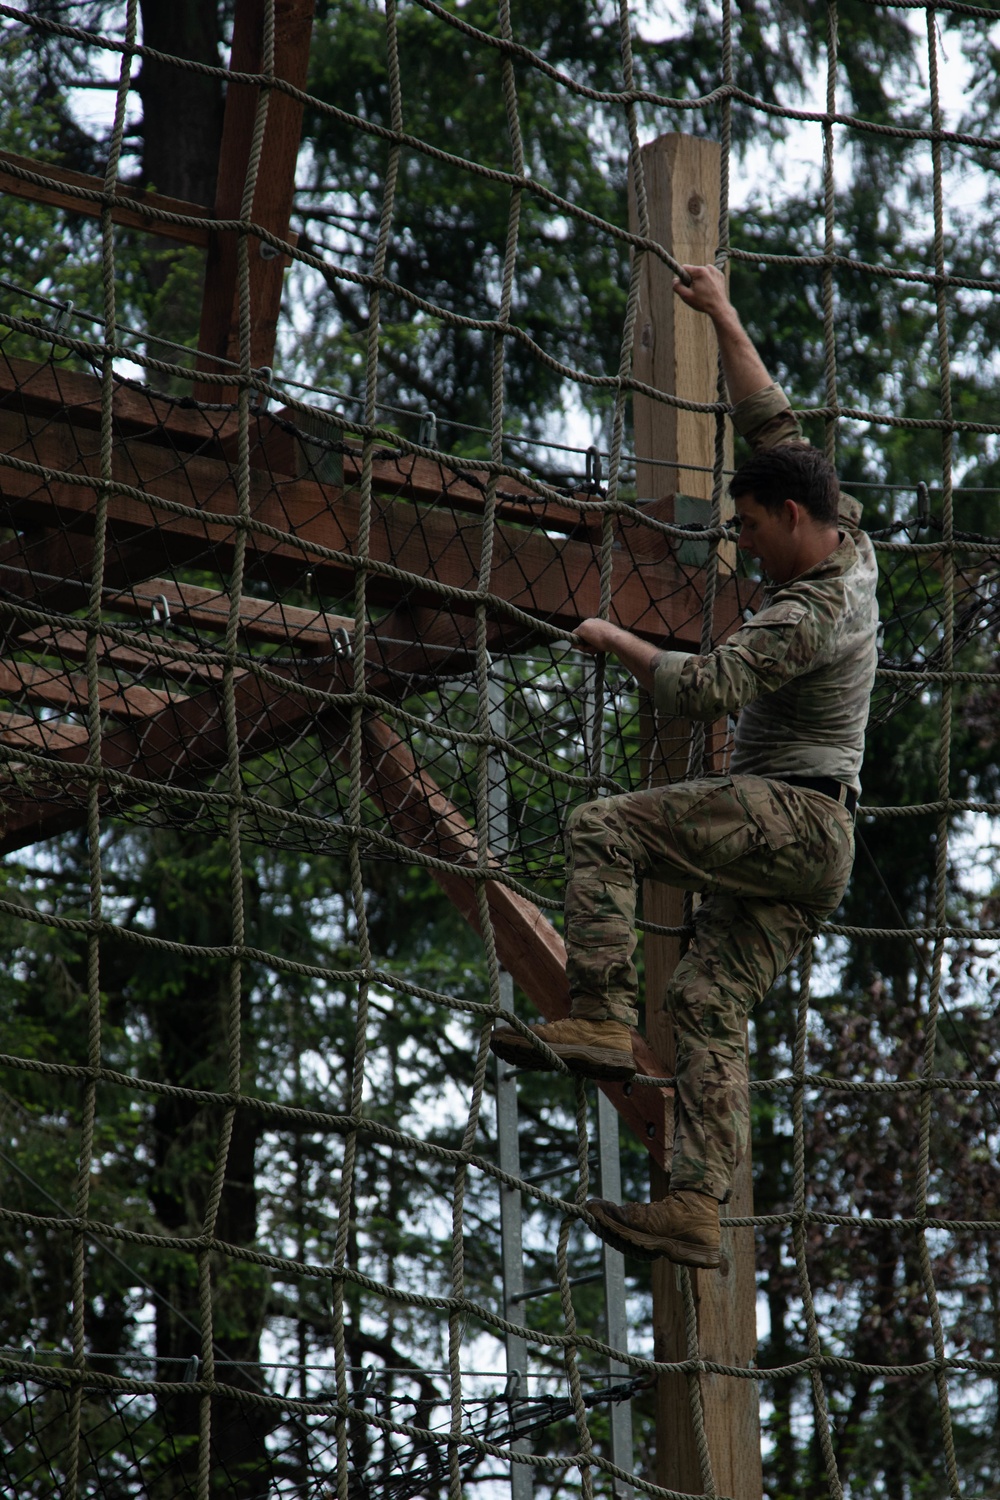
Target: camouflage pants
column 773, row 860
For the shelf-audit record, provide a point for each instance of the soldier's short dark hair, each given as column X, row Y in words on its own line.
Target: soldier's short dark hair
column 792, row 471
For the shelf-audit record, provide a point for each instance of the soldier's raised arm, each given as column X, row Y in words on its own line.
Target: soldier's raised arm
column 761, row 412
column 743, row 366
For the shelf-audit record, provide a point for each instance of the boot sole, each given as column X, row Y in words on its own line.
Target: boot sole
column 645, row 1246
column 589, row 1062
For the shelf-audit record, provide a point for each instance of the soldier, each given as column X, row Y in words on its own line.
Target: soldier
column 771, row 844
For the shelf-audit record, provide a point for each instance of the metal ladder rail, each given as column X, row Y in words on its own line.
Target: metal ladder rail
column 515, row 1293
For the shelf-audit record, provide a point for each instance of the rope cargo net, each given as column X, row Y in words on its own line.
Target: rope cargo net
column 275, row 628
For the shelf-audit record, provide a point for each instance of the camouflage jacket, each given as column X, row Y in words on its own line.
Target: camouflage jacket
column 800, row 672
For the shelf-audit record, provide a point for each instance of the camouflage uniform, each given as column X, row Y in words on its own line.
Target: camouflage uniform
column 773, row 858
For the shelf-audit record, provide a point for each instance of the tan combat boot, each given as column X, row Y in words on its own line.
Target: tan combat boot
column 594, row 1049
column 682, row 1227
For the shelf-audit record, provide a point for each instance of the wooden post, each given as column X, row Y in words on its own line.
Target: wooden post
column 273, row 194
column 676, row 352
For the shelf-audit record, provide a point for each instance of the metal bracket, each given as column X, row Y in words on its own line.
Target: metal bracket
column 427, row 433
column 595, row 472
column 923, row 504
column 259, row 399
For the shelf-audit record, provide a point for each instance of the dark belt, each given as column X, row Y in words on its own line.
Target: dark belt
column 845, row 795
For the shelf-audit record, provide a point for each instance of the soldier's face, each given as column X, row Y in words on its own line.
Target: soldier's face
column 769, row 536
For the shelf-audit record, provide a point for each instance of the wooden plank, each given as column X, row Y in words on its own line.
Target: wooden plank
column 88, row 201
column 550, row 578
column 426, row 479
column 34, row 683
column 71, row 646
column 261, row 620
column 676, row 352
column 62, row 584
column 50, row 391
column 273, row 193
column 49, row 736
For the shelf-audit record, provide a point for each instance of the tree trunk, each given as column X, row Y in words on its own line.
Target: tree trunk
column 182, row 111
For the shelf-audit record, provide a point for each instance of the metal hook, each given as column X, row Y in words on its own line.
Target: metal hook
column 268, row 252
column 191, row 1370
column 595, row 472
column 427, row 434
column 512, row 1389
column 923, row 504
column 28, row 1354
column 160, row 613
column 259, row 399
column 64, row 315
column 341, row 642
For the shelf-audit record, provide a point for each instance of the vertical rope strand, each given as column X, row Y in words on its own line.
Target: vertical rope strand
column 829, row 234
column 694, row 1381
column 345, row 1196
column 944, row 756
column 820, row 1408
column 483, row 753
column 88, row 1112
column 624, row 371
column 584, row 1440
column 233, row 773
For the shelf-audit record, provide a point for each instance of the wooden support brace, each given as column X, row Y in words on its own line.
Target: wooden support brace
column 78, row 192
column 190, row 735
column 273, row 194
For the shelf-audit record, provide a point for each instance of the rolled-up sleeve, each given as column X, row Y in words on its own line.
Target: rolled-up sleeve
column 666, row 680
column 766, row 419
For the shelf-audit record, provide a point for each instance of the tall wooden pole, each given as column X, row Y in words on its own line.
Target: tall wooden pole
column 676, row 352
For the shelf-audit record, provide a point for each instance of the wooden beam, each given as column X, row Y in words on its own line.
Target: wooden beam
column 43, row 390
column 53, row 737
column 676, row 351
column 47, row 390
column 41, row 182
column 143, row 658
column 549, row 578
column 419, row 478
column 51, row 687
column 528, row 946
column 266, row 621
column 273, row 193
